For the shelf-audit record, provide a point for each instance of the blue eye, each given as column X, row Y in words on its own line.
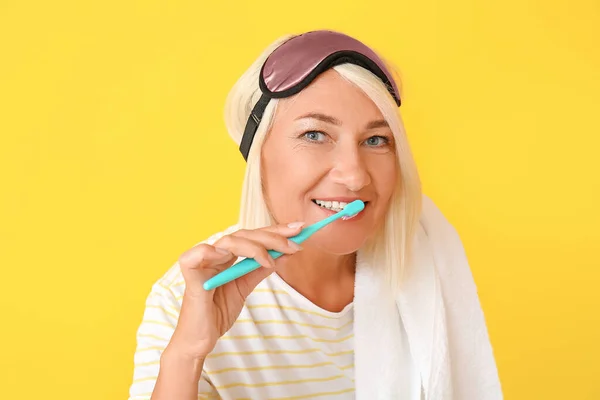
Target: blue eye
column 314, row 136
column 377, row 141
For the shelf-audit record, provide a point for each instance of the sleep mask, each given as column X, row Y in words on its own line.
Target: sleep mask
column 297, row 62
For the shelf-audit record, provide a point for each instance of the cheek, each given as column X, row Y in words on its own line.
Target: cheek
column 386, row 177
column 285, row 183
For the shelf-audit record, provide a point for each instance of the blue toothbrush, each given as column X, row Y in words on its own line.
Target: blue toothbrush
column 248, row 265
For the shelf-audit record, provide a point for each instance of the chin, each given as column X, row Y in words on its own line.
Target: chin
column 338, row 244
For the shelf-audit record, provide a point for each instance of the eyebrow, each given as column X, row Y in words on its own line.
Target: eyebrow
column 380, row 123
column 321, row 117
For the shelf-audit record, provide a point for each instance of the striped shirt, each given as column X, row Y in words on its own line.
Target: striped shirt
column 282, row 346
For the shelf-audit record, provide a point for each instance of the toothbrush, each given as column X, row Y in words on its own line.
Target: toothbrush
column 248, row 265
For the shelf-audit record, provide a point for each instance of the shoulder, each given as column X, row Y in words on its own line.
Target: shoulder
column 446, row 245
column 442, row 234
column 449, row 253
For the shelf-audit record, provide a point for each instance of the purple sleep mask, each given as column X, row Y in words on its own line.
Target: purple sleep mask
column 297, row 62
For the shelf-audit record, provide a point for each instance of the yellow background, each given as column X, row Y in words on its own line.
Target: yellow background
column 114, row 160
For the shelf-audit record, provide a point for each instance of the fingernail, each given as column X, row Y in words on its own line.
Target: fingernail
column 294, row 245
column 295, row 225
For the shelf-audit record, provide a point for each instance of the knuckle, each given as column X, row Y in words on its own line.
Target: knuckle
column 278, row 240
column 274, row 237
column 241, row 232
column 188, row 258
column 282, row 241
column 225, row 240
column 262, row 253
column 274, row 229
column 194, row 255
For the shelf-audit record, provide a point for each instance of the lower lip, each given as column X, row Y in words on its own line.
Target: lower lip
column 331, row 212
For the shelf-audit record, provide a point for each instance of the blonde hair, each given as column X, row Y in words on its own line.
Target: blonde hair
column 391, row 245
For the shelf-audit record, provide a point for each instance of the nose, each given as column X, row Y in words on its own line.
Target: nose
column 349, row 169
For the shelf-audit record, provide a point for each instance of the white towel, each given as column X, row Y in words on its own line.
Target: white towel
column 431, row 341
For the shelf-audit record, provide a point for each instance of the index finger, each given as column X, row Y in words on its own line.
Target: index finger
column 202, row 254
column 287, row 230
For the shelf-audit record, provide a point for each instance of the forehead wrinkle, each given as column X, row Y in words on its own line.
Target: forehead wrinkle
column 321, row 117
column 311, row 110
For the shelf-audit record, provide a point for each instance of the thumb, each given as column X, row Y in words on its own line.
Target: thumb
column 248, row 282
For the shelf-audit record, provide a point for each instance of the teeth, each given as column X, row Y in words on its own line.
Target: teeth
column 332, row 205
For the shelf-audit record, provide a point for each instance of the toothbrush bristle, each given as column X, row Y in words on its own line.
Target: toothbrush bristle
column 353, row 208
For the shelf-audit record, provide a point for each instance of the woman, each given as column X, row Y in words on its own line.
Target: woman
column 380, row 306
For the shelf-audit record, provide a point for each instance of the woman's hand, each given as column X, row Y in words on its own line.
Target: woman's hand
column 206, row 315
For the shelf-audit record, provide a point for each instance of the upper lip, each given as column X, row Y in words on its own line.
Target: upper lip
column 344, row 199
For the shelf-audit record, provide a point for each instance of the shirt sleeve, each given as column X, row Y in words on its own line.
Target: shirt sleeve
column 153, row 335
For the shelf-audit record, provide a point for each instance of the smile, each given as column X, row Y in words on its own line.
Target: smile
column 335, row 206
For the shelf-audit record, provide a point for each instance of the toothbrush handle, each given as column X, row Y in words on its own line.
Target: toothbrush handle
column 248, row 265
column 237, row 270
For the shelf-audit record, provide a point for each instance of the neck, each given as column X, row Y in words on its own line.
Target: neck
column 325, row 279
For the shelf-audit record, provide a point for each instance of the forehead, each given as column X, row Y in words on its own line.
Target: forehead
column 332, row 95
